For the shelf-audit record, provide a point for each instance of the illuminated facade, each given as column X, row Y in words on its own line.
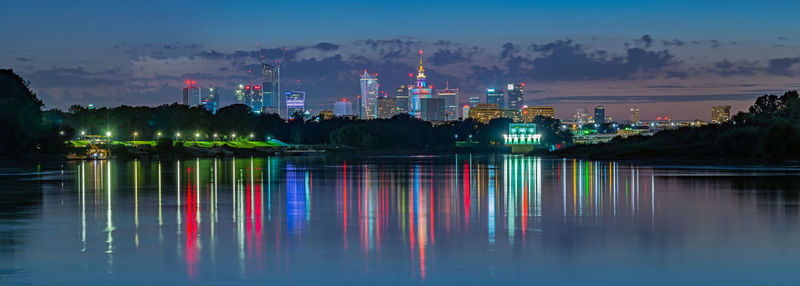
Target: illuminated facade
column 516, row 95
column 484, row 113
column 530, row 112
column 720, row 114
column 599, row 115
column 450, row 96
column 401, row 97
column 495, row 96
column 191, row 94
column 369, row 92
column 326, row 114
column 474, row 101
column 635, row 116
column 419, row 91
column 211, row 101
column 295, row 103
column 343, row 108
column 522, row 137
column 271, row 88
column 386, row 107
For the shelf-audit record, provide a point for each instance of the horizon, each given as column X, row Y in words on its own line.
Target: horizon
column 684, row 62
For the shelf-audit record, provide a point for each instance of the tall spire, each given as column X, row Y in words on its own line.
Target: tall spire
column 421, row 73
column 421, row 69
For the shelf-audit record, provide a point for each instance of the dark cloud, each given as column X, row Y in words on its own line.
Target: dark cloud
column 646, row 40
column 447, row 56
column 72, row 77
column 727, row 68
column 782, row 38
column 781, row 66
column 508, row 51
column 674, row 42
column 325, row 46
column 23, row 59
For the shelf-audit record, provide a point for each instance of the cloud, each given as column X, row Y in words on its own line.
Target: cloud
column 674, row 42
column 781, row 66
column 649, row 98
column 646, row 40
column 23, row 59
column 325, row 46
column 447, row 56
column 72, row 77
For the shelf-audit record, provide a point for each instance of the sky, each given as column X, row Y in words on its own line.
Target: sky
column 668, row 58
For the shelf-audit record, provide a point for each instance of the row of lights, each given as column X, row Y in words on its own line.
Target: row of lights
column 158, row 134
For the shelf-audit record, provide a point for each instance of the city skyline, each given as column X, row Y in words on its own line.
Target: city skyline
column 663, row 70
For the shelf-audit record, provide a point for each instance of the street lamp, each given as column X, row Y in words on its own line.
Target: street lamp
column 233, row 135
column 158, row 135
column 134, row 135
column 178, row 136
column 251, row 135
column 196, row 135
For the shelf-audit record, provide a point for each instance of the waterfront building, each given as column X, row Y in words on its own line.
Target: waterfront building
column 270, row 88
column 295, row 103
column 495, row 96
column 450, row 96
column 485, row 112
column 419, row 91
column 191, row 94
column 386, row 107
column 516, row 95
column 522, row 137
column 600, row 115
column 635, row 116
column 531, row 112
column 432, row 109
column 369, row 92
column 401, row 97
column 343, row 108
column 720, row 114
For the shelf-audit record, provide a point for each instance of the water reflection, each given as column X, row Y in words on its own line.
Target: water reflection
column 412, row 218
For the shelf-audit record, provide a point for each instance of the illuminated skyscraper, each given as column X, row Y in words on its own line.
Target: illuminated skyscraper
column 720, row 114
column 369, row 92
column 211, row 101
column 401, row 99
column 450, row 96
column 581, row 115
column 271, row 88
column 516, row 95
column 343, row 108
column 531, row 112
column 191, row 94
column 495, row 96
column 599, row 115
column 420, row 90
column 474, row 101
column 295, row 103
column 635, row 117
column 386, row 107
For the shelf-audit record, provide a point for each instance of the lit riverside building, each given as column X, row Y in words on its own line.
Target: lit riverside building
column 271, row 88
column 369, row 92
column 720, row 113
column 295, row 103
column 531, row 112
column 343, row 108
column 191, row 94
column 419, row 91
column 516, row 95
column 495, row 96
column 484, row 113
column 386, row 107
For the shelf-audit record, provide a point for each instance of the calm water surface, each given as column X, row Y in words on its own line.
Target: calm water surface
column 397, row 220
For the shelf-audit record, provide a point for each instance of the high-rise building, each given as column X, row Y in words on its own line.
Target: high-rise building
column 419, row 91
column 386, row 107
column 531, row 112
column 599, row 115
column 474, row 101
column 581, row 115
column 211, row 101
column 516, row 95
column 495, row 96
column 369, row 92
column 401, row 97
column 432, row 109
column 191, row 94
column 512, row 113
column 465, row 111
column 485, row 112
column 720, row 114
column 450, row 96
column 295, row 103
column 635, row 117
column 343, row 108
column 271, row 88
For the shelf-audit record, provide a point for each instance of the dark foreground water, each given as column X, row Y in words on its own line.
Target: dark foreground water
column 397, row 220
